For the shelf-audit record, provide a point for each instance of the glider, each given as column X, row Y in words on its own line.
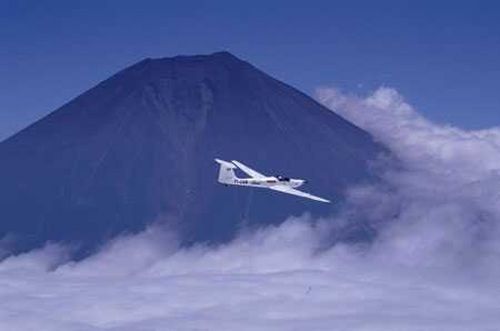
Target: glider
column 256, row 179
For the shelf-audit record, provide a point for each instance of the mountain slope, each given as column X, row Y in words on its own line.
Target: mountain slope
column 139, row 148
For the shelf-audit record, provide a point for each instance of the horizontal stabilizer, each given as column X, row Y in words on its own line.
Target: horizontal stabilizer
column 225, row 163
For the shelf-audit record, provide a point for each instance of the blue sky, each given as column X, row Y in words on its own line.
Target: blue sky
column 443, row 56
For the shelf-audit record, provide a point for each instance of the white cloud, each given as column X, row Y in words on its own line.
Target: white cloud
column 271, row 280
column 433, row 265
column 421, row 143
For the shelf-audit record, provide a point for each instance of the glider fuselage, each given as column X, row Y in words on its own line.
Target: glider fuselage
column 268, row 182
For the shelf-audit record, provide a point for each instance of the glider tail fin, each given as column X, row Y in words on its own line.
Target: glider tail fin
column 226, row 172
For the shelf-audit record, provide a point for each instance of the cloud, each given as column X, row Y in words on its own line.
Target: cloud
column 419, row 142
column 442, row 199
column 432, row 266
column 272, row 279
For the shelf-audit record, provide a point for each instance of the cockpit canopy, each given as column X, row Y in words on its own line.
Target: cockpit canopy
column 282, row 178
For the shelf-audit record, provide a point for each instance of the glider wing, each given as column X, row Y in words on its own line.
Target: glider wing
column 289, row 190
column 249, row 171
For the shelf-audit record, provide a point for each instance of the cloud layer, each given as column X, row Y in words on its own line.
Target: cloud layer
column 433, row 264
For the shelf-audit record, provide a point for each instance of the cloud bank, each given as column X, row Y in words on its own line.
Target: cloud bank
column 432, row 266
column 442, row 200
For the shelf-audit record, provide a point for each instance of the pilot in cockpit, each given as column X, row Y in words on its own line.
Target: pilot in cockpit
column 282, row 178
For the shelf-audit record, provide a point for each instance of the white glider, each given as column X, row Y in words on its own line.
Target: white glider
column 256, row 179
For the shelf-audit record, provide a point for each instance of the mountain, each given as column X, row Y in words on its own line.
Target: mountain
column 139, row 148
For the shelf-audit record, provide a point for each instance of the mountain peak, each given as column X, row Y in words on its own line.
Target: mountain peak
column 218, row 65
column 216, row 55
column 222, row 56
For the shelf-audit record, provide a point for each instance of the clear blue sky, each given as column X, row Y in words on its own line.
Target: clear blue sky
column 443, row 56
